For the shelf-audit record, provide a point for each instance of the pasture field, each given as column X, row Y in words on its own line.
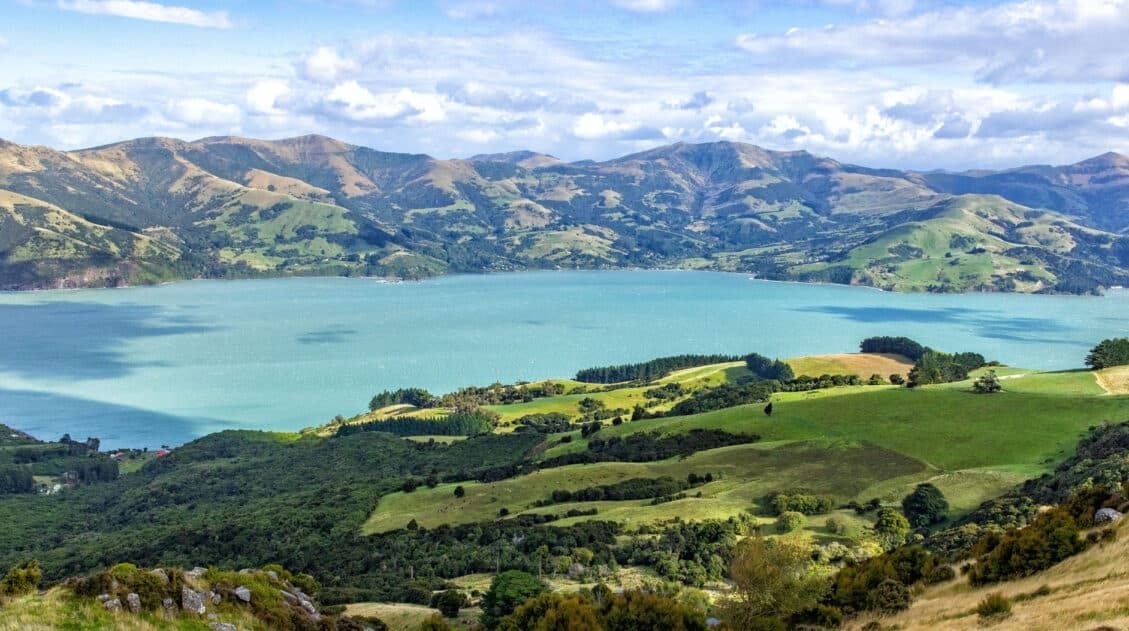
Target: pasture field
column 851, row 443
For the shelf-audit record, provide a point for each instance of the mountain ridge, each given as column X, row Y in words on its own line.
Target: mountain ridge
column 237, row 207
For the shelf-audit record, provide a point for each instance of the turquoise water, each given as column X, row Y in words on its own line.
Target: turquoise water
column 162, row 365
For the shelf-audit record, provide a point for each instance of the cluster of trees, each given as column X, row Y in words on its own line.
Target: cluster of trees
column 649, row 370
column 903, row 346
column 600, row 609
column 471, row 423
column 801, row 503
column 766, row 368
column 547, row 423
column 16, row 479
column 650, row 446
column 691, row 553
column 885, row 583
column 671, row 390
column 937, row 367
column 1052, row 537
column 630, row 489
column 925, row 506
column 468, row 397
column 726, row 395
column 1108, row 353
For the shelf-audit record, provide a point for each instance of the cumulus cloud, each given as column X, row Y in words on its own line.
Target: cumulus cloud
column 149, row 11
column 325, row 65
column 353, row 102
column 1033, row 41
column 699, row 100
column 198, row 111
column 592, row 126
column 264, row 96
column 42, row 105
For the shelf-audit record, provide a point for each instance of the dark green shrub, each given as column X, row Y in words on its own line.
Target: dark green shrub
column 22, row 579
column 994, row 606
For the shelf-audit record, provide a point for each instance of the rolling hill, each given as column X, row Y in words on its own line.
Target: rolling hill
column 235, row 207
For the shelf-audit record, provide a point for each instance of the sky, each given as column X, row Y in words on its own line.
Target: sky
column 919, row 84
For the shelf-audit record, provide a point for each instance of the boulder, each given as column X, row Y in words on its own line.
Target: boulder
column 1106, row 516
column 309, row 607
column 133, row 601
column 195, row 573
column 161, row 575
column 222, row 626
column 288, row 596
column 103, row 598
column 113, row 605
column 273, row 575
column 192, row 601
column 242, row 593
column 214, row 597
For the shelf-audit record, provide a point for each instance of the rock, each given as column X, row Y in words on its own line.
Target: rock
column 272, row 574
column 242, row 593
column 169, row 607
column 1106, row 516
column 575, row 570
column 133, row 601
column 288, row 596
column 192, row 601
column 161, row 575
column 195, row 572
column 215, row 597
column 309, row 607
column 222, row 626
column 103, row 598
column 113, row 605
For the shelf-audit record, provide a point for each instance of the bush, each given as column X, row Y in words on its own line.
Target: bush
column 994, row 606
column 805, row 504
column 449, row 602
column 941, row 574
column 789, row 521
column 988, row 383
column 836, row 526
column 890, row 597
column 22, row 579
column 1050, row 538
column 507, row 591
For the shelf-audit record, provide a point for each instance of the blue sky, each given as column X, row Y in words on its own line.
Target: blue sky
column 899, row 83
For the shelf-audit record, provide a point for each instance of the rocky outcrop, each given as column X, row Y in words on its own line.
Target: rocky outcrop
column 192, row 601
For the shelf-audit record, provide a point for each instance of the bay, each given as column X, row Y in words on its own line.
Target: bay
column 152, row 366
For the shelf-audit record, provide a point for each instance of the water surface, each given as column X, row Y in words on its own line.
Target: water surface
column 161, row 365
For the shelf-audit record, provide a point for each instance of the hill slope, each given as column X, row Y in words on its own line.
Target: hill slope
column 314, row 205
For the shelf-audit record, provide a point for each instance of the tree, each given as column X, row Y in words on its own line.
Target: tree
column 925, row 506
column 1109, row 352
column 891, row 528
column 634, row 610
column 988, row 383
column 768, row 409
column 772, row 580
column 449, row 602
column 894, row 345
column 460, row 491
column 507, row 591
column 553, row 612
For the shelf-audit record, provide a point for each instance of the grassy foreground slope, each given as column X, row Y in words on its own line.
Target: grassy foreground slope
column 853, row 443
column 1088, row 591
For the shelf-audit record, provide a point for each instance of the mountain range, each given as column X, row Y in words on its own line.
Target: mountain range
column 157, row 209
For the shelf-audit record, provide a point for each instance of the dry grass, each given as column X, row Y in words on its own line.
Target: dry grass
column 1114, row 380
column 406, row 617
column 1088, row 591
column 862, row 364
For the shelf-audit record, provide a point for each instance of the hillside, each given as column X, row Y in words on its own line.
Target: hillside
column 651, row 482
column 157, row 208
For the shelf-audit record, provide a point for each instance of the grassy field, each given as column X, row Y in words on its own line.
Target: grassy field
column 852, row 443
column 1114, row 380
column 862, row 364
column 408, row 617
column 747, row 472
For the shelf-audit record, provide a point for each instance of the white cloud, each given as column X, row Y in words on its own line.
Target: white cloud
column 476, row 9
column 1029, row 41
column 264, row 96
column 592, row 126
column 481, row 136
column 149, row 11
column 325, row 65
column 198, row 111
column 352, row 101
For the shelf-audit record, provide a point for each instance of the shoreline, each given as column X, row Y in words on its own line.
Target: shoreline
column 386, row 280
